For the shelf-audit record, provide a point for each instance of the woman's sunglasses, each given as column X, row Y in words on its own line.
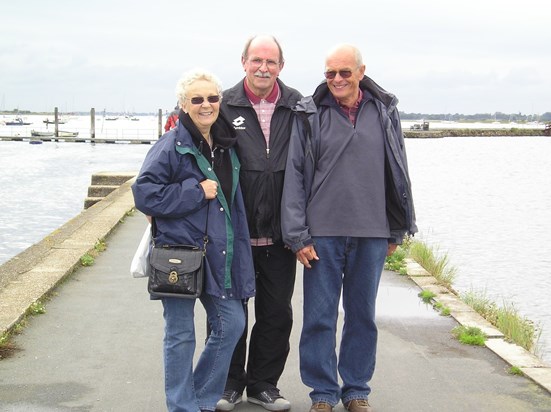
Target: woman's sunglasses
column 201, row 99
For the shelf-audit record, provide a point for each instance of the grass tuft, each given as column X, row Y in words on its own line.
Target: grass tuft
column 87, row 260
column 516, row 328
column 469, row 335
column 437, row 265
column 426, row 295
column 515, row 370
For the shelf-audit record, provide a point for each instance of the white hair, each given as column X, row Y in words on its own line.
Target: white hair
column 190, row 77
column 344, row 46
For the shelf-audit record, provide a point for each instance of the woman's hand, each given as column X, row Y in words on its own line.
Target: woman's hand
column 210, row 187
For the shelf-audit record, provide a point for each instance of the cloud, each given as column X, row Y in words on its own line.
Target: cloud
column 460, row 56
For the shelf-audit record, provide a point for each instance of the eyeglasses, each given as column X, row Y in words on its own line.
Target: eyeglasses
column 201, row 99
column 331, row 74
column 270, row 64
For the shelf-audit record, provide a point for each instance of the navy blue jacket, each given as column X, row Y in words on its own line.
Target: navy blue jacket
column 168, row 188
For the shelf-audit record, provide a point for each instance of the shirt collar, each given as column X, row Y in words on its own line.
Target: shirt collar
column 356, row 105
column 272, row 97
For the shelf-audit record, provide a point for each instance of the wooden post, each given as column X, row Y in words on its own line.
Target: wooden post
column 160, row 122
column 56, row 122
column 93, row 123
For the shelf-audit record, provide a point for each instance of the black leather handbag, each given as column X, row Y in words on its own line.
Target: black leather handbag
column 177, row 271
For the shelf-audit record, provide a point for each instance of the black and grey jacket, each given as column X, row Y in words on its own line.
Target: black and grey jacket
column 262, row 170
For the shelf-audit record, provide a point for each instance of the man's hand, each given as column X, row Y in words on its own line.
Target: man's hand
column 391, row 248
column 306, row 254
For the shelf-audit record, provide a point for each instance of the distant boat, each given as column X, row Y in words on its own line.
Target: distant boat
column 35, row 141
column 67, row 134
column 112, row 118
column 18, row 121
column 48, row 121
column 37, row 133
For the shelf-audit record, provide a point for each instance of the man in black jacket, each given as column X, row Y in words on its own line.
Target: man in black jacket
column 260, row 109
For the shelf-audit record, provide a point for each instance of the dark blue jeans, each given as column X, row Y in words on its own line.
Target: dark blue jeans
column 353, row 266
column 188, row 389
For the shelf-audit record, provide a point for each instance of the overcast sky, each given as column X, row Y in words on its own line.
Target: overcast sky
column 437, row 56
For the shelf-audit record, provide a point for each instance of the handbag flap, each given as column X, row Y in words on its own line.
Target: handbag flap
column 181, row 260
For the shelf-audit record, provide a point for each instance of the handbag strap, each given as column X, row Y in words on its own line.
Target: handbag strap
column 205, row 235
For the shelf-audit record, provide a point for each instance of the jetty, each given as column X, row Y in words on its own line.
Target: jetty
column 108, row 140
column 408, row 134
column 98, row 344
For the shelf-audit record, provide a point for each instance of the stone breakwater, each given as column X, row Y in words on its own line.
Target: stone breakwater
column 427, row 134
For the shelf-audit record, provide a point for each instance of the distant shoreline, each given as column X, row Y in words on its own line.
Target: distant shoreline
column 439, row 133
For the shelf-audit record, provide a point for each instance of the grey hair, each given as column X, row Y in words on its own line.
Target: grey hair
column 190, row 77
column 344, row 46
column 245, row 54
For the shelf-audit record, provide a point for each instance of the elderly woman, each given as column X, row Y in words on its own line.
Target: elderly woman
column 193, row 165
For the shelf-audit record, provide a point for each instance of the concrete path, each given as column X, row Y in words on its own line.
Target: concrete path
column 98, row 347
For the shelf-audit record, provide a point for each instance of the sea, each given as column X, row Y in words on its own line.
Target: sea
column 484, row 202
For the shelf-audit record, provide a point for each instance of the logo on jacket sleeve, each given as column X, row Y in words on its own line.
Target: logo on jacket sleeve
column 238, row 122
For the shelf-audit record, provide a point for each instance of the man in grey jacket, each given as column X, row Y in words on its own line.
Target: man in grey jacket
column 346, row 205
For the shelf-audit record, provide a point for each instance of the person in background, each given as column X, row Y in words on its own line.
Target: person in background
column 346, row 204
column 260, row 108
column 192, row 166
column 172, row 119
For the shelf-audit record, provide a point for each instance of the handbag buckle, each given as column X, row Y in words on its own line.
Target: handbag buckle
column 173, row 277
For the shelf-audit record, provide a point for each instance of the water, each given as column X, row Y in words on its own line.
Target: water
column 43, row 186
column 483, row 201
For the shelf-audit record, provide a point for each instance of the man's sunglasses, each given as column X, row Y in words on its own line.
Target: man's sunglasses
column 201, row 99
column 331, row 74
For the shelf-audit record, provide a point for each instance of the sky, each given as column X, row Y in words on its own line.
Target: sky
column 436, row 56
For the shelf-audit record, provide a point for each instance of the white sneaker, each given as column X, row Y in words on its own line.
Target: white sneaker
column 271, row 400
column 230, row 398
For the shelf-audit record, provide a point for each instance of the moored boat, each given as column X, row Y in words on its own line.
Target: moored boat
column 48, row 121
column 66, row 134
column 18, row 121
column 37, row 133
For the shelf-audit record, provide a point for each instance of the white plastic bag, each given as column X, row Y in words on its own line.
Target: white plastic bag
column 139, row 268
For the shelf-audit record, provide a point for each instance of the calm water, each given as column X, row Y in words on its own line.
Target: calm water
column 483, row 201
column 43, row 186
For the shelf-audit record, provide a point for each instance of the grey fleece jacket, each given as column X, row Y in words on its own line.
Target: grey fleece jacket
column 309, row 150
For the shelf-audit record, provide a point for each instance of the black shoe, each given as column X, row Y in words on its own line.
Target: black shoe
column 230, row 398
column 271, row 400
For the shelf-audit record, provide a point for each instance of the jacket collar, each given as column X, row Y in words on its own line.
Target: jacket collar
column 236, row 96
column 367, row 85
column 223, row 135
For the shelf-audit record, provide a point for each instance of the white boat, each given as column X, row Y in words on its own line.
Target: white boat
column 61, row 133
column 37, row 133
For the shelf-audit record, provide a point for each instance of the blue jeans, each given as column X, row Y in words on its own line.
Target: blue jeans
column 353, row 265
column 188, row 389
